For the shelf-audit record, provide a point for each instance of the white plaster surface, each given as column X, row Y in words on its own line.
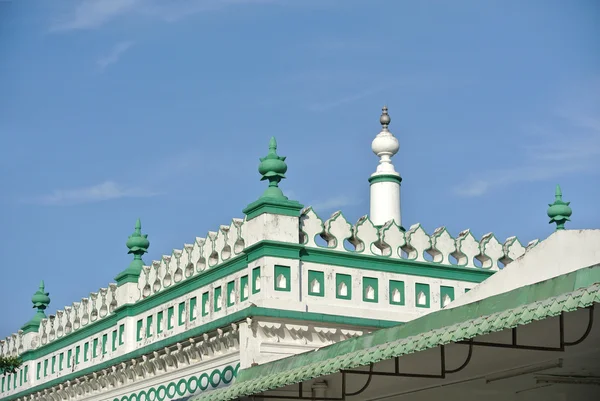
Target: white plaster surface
column 564, row 251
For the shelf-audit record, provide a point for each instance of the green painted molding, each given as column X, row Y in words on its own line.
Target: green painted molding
column 374, row 179
column 283, row 207
column 266, row 249
column 249, row 312
column 182, row 387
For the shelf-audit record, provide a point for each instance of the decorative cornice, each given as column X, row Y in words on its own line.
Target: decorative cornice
column 110, row 375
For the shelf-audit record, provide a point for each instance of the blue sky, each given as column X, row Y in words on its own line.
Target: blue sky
column 117, row 109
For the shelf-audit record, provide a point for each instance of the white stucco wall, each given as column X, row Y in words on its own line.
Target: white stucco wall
column 562, row 252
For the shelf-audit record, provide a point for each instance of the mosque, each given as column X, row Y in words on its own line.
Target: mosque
column 259, row 309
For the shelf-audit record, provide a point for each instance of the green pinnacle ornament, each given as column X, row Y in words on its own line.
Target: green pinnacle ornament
column 40, row 300
column 559, row 211
column 272, row 167
column 138, row 245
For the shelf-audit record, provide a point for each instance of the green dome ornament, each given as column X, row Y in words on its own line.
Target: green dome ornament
column 138, row 245
column 559, row 211
column 272, row 168
column 40, row 300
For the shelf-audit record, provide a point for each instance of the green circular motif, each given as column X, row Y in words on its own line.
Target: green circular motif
column 237, row 367
column 142, row 396
column 227, row 375
column 211, row 379
column 151, row 396
column 192, row 380
column 171, row 390
column 181, row 390
column 161, row 392
column 203, row 378
column 133, row 397
column 124, row 398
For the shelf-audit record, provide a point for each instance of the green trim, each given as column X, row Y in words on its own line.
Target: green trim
column 159, row 322
column 262, row 249
column 182, row 387
column 242, row 315
column 205, row 303
column 319, row 277
column 244, row 284
column 181, row 314
column 345, row 279
column 230, row 292
column 286, row 273
column 256, row 279
column 218, row 299
column 193, row 310
column 374, row 179
column 170, row 317
column 149, row 321
column 445, row 290
column 272, row 206
column 424, row 288
column 370, row 282
column 397, row 287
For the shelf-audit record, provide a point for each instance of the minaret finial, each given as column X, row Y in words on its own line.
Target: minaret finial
column 385, row 145
column 385, row 118
column 559, row 211
column 138, row 245
column 272, row 167
column 40, row 300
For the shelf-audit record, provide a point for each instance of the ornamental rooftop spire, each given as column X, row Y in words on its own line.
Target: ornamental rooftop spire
column 40, row 300
column 559, row 211
column 272, row 167
column 385, row 181
column 138, row 245
column 385, row 145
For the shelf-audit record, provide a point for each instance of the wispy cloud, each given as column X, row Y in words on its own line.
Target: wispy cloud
column 114, row 55
column 335, row 202
column 575, row 148
column 108, row 190
column 92, row 14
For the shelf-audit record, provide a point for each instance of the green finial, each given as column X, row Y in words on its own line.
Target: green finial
column 40, row 300
column 138, row 245
column 272, row 167
column 559, row 211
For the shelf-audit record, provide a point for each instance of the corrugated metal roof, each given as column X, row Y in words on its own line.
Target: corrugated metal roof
column 539, row 301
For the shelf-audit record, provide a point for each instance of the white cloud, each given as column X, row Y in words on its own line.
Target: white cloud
column 108, row 190
column 114, row 55
column 572, row 148
column 92, row 14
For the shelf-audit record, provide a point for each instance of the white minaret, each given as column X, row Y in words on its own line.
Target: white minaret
column 385, row 181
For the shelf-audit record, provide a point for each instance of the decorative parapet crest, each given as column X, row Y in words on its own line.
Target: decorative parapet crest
column 415, row 244
column 203, row 254
column 70, row 319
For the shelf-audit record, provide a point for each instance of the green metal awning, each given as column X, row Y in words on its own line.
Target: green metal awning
column 566, row 293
